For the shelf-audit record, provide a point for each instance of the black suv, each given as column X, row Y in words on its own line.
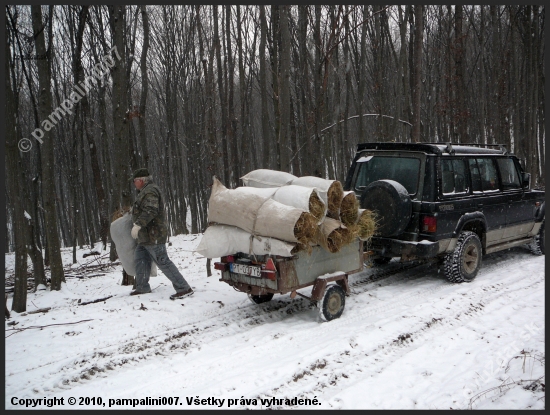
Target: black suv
column 451, row 202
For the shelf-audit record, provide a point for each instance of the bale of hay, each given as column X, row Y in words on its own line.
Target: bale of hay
column 267, row 178
column 221, row 240
column 305, row 198
column 332, row 235
column 259, row 215
column 349, row 209
column 332, row 188
column 366, row 224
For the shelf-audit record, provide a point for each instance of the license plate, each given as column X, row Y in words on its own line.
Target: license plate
column 245, row 269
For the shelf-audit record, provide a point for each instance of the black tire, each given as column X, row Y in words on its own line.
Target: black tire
column 332, row 304
column 259, row 299
column 537, row 246
column 381, row 260
column 464, row 262
column 391, row 203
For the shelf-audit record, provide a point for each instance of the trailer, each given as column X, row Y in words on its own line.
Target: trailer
column 262, row 276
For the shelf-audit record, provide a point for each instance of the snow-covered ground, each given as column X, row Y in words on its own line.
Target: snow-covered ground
column 407, row 339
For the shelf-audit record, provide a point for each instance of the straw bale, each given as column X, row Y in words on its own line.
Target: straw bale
column 332, row 235
column 349, row 209
column 366, row 224
column 332, row 188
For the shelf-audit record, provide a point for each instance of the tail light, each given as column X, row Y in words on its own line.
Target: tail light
column 268, row 270
column 270, row 265
column 429, row 224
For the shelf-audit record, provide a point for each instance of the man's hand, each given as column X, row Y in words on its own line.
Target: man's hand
column 135, row 231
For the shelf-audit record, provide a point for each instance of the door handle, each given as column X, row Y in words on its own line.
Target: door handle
column 480, row 205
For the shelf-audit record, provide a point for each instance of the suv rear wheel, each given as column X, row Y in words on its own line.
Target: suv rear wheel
column 537, row 246
column 464, row 262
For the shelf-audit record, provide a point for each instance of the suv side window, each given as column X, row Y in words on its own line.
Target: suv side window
column 453, row 177
column 508, row 174
column 484, row 174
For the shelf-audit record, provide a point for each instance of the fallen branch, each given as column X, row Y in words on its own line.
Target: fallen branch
column 90, row 253
column 83, row 276
column 40, row 310
column 17, row 330
column 95, row 301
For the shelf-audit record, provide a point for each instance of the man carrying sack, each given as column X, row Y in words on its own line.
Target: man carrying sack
column 150, row 231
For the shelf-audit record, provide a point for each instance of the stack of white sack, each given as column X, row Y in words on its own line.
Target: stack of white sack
column 308, row 199
column 222, row 240
column 330, row 191
column 347, row 222
column 126, row 245
column 258, row 215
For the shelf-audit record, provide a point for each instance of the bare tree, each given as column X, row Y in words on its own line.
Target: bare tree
column 48, row 162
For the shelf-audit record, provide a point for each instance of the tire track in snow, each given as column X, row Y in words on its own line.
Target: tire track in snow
column 223, row 323
column 467, row 308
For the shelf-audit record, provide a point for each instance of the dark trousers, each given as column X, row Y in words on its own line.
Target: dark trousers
column 143, row 256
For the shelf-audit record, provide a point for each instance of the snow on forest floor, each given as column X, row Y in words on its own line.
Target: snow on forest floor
column 411, row 340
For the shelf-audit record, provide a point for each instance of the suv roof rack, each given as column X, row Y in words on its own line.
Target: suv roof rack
column 502, row 147
column 449, row 148
column 437, row 148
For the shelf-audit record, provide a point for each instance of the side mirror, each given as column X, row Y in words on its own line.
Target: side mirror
column 526, row 180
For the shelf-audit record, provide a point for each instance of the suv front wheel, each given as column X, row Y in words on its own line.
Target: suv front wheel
column 464, row 262
column 537, row 246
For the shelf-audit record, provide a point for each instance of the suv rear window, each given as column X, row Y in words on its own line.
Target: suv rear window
column 404, row 170
column 453, row 177
column 484, row 175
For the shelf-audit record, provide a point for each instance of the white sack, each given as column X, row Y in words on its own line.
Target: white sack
column 221, row 240
column 290, row 195
column 267, row 178
column 253, row 213
column 322, row 185
column 266, row 192
column 126, row 245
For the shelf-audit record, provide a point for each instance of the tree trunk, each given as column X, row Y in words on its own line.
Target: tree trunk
column 418, row 40
column 13, row 170
column 48, row 162
column 144, row 88
column 122, row 195
column 284, row 97
column 266, row 131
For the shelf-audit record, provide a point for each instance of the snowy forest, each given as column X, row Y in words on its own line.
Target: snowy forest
column 95, row 92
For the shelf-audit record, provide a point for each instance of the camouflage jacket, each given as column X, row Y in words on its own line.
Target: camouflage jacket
column 148, row 212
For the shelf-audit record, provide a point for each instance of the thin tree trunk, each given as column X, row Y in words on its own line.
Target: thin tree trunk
column 284, row 97
column 13, row 170
column 418, row 40
column 48, row 162
column 144, row 88
column 266, row 132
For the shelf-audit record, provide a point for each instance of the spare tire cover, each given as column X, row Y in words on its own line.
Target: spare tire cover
column 392, row 205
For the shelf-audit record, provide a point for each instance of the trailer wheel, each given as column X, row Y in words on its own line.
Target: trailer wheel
column 259, row 299
column 332, row 304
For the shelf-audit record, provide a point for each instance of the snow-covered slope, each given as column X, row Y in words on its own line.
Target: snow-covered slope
column 407, row 339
